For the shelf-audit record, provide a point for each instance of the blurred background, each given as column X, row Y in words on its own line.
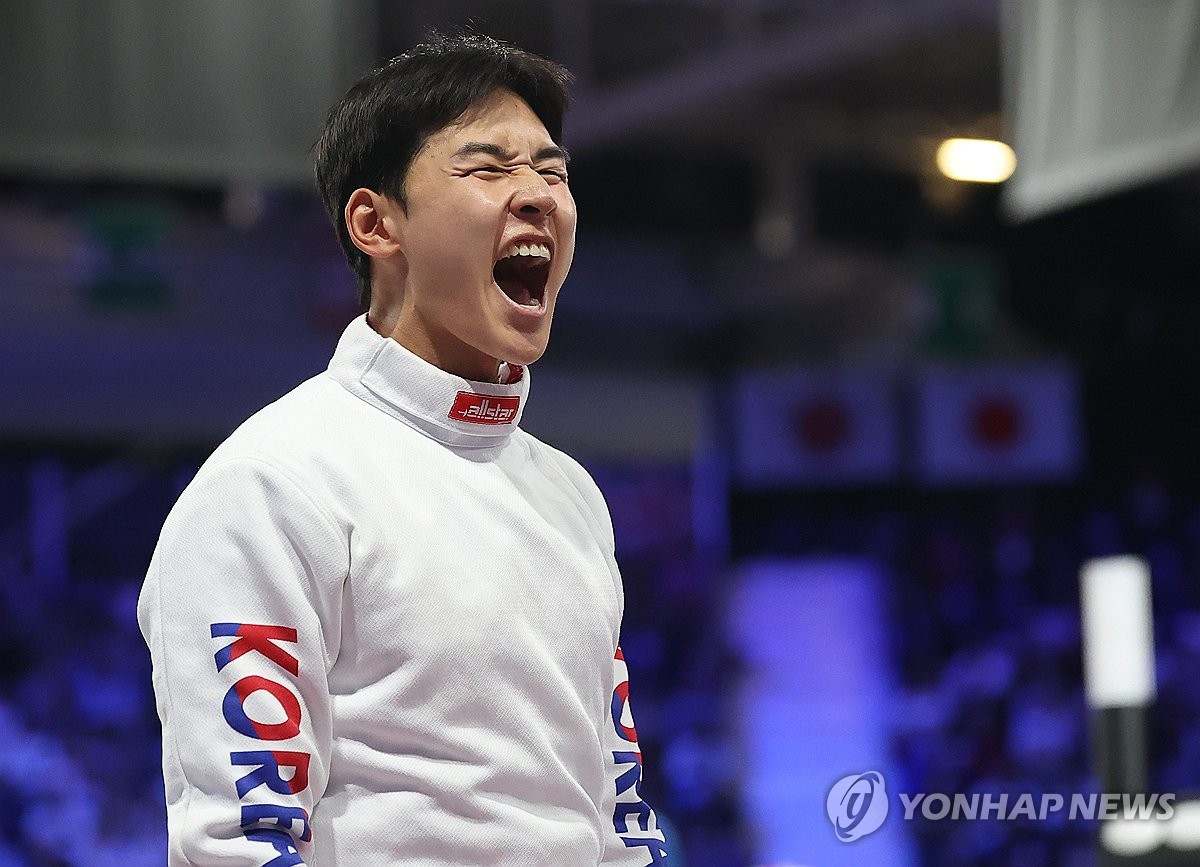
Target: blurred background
column 859, row 423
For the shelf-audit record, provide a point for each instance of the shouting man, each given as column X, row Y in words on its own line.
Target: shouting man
column 383, row 618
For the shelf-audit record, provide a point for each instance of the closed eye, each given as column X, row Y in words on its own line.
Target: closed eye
column 554, row 176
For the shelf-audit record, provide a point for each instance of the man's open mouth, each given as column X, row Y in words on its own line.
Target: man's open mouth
column 522, row 272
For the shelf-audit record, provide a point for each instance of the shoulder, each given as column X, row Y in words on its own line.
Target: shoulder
column 289, row 446
column 316, row 430
column 577, row 480
column 302, row 416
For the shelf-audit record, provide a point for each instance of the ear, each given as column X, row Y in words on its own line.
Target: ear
column 371, row 223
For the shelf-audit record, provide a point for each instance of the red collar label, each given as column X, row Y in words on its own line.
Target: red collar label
column 484, row 408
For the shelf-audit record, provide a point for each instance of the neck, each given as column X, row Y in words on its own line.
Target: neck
column 448, row 354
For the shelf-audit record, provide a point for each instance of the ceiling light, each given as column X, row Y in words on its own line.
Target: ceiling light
column 981, row 161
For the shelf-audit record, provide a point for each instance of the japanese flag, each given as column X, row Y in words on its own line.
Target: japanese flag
column 818, row 427
column 998, row 423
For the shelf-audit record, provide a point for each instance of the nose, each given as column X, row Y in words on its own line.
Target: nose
column 533, row 199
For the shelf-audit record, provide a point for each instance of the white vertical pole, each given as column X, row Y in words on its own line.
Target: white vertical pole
column 1118, row 668
column 1118, row 632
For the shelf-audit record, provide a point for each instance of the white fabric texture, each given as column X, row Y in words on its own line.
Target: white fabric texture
column 382, row 635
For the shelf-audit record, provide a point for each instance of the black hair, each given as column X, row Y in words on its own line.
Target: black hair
column 372, row 134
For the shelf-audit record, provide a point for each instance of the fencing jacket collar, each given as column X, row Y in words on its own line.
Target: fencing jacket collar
column 452, row 410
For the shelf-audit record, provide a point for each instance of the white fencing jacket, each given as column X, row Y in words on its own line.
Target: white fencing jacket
column 384, row 627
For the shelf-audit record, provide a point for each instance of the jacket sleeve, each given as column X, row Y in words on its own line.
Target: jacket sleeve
column 636, row 840
column 239, row 610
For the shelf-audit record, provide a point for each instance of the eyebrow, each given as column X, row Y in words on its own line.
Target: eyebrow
column 471, row 148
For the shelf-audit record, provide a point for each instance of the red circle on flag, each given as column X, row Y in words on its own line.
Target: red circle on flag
column 821, row 424
column 996, row 421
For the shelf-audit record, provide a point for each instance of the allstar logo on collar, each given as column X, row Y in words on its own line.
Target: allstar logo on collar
column 484, row 408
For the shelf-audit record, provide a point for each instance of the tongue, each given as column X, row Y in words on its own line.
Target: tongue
column 510, row 280
column 514, row 288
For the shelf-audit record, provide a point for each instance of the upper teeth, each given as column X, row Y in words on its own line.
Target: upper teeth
column 540, row 250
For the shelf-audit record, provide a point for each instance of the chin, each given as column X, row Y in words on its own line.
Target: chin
column 524, row 357
column 526, row 351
